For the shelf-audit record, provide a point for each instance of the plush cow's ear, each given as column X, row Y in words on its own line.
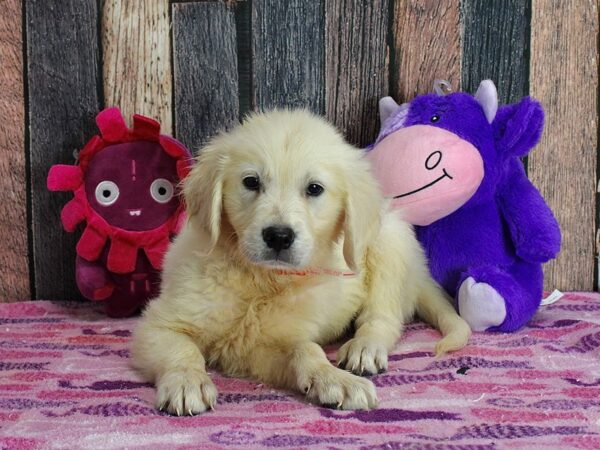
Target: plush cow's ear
column 518, row 127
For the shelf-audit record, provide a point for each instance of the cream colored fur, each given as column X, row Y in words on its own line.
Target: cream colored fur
column 222, row 304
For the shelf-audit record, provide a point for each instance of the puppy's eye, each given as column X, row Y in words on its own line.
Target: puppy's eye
column 251, row 183
column 314, row 190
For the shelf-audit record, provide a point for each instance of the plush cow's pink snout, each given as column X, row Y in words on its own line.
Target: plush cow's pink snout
column 427, row 171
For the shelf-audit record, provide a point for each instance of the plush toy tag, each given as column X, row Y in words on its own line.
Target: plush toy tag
column 555, row 296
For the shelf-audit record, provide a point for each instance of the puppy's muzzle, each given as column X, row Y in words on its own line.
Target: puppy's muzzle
column 278, row 238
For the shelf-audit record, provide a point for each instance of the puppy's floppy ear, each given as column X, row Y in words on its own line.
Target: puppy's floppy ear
column 203, row 191
column 362, row 218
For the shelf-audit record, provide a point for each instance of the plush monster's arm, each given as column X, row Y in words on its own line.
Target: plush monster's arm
column 93, row 280
column 533, row 228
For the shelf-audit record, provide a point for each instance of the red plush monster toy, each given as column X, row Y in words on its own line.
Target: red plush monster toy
column 125, row 191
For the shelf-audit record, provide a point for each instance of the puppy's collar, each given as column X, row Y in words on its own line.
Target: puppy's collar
column 313, row 271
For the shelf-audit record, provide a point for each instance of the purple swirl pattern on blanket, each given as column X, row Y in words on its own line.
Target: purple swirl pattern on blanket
column 122, row 353
column 407, row 445
column 582, row 383
column 502, row 431
column 409, row 355
column 66, row 363
column 291, row 440
column 391, row 415
column 556, row 324
column 524, row 341
column 27, row 403
column 243, row 398
column 566, row 405
column 396, row 380
column 7, row 366
column 105, row 385
column 117, row 409
column 91, row 331
column 480, row 363
column 585, row 344
column 587, row 307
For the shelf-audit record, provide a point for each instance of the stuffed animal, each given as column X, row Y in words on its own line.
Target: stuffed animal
column 451, row 164
column 125, row 188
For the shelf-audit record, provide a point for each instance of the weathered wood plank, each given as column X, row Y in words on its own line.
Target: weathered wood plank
column 356, row 65
column 205, row 69
column 426, row 46
column 62, row 61
column 564, row 77
column 496, row 46
column 288, row 54
column 14, row 269
column 243, row 23
column 137, row 58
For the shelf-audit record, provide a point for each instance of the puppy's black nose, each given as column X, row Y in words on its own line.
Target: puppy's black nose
column 278, row 238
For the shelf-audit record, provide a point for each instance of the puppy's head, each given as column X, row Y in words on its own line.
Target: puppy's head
column 281, row 188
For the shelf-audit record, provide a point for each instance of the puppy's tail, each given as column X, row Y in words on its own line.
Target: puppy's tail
column 434, row 306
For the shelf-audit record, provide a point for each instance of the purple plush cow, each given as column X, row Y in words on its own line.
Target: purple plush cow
column 451, row 164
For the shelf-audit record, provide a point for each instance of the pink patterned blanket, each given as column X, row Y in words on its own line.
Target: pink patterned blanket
column 65, row 383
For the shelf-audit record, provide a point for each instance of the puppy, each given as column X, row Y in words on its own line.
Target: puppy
column 248, row 286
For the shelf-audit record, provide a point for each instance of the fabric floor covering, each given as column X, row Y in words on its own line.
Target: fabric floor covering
column 65, row 382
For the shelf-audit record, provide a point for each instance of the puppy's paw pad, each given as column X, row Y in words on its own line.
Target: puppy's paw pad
column 185, row 392
column 363, row 356
column 333, row 387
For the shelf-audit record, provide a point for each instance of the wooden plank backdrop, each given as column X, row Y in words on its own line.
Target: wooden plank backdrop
column 136, row 63
column 496, row 46
column 64, row 86
column 288, row 54
column 564, row 76
column 206, row 80
column 356, row 65
column 14, row 269
column 425, row 47
column 200, row 66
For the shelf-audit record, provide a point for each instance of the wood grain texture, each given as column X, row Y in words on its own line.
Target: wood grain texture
column 243, row 23
column 356, row 65
column 14, row 264
column 564, row 77
column 288, row 54
column 137, row 58
column 205, row 69
column 597, row 225
column 496, row 46
column 62, row 61
column 426, row 46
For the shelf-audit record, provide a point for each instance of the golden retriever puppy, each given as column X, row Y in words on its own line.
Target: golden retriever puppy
column 274, row 206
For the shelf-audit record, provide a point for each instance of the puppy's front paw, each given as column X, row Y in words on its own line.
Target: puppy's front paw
column 363, row 356
column 336, row 388
column 185, row 392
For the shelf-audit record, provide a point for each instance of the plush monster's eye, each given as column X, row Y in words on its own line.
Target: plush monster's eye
column 161, row 190
column 107, row 193
column 435, row 118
